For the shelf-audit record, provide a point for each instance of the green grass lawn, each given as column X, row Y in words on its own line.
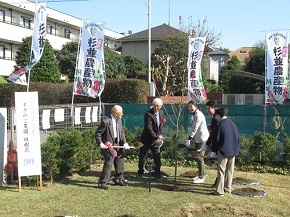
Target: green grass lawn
column 78, row 195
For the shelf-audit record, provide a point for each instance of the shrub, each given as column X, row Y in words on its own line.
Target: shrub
column 246, row 156
column 169, row 148
column 286, row 153
column 264, row 147
column 2, row 79
column 132, row 138
column 116, row 90
column 91, row 149
column 50, row 152
column 68, row 151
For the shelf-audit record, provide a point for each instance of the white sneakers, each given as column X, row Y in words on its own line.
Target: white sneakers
column 197, row 180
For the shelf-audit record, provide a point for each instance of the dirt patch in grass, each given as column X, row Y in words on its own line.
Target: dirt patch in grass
column 189, row 174
column 170, row 187
column 243, row 181
column 249, row 192
column 204, row 209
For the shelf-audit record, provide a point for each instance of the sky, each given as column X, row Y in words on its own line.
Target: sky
column 242, row 22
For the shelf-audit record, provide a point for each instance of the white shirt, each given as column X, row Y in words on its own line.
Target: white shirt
column 157, row 118
column 114, row 126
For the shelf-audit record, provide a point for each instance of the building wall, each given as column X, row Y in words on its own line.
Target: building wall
column 16, row 22
column 139, row 49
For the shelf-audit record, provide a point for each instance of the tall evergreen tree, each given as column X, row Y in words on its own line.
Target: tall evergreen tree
column 67, row 59
column 46, row 69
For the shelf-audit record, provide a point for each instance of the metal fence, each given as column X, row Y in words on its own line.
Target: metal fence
column 248, row 118
column 66, row 120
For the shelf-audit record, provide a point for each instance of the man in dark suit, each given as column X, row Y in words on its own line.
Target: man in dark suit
column 211, row 107
column 225, row 142
column 110, row 133
column 151, row 137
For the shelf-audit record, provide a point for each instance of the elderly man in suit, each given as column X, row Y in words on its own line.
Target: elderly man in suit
column 151, row 137
column 110, row 133
column 225, row 142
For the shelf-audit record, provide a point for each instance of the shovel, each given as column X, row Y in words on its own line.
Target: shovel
column 137, row 145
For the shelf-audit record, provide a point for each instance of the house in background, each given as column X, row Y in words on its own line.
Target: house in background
column 16, row 22
column 137, row 44
column 214, row 62
column 241, row 53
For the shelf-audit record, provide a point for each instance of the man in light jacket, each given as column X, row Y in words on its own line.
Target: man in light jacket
column 199, row 134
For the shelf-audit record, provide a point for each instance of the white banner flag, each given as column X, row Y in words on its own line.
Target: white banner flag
column 196, row 90
column 37, row 44
column 27, row 131
column 277, row 80
column 90, row 79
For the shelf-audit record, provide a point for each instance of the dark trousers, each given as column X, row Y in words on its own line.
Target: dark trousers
column 198, row 157
column 110, row 159
column 155, row 150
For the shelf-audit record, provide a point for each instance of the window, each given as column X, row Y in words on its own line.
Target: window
column 2, row 16
column 243, row 51
column 25, row 22
column 2, row 52
column 49, row 29
column 67, row 33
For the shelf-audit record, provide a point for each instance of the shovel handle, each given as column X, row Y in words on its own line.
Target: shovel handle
column 123, row 147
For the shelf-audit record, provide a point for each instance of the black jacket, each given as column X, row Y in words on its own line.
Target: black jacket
column 151, row 131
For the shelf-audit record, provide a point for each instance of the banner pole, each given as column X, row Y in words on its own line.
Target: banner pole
column 28, row 79
column 31, row 49
column 78, row 53
column 100, row 110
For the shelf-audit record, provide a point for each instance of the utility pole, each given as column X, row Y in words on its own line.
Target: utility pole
column 151, row 85
column 169, row 13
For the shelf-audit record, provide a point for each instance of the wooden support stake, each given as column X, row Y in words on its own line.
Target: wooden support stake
column 40, row 182
column 19, row 184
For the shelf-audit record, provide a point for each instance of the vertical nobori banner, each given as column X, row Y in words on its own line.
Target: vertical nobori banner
column 277, row 78
column 90, row 76
column 37, row 44
column 27, row 131
column 196, row 90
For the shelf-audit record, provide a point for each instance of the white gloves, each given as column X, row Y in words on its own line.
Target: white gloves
column 103, row 146
column 126, row 146
column 203, row 148
column 161, row 138
column 187, row 143
column 213, row 155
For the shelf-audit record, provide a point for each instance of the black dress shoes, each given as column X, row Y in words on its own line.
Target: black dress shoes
column 104, row 187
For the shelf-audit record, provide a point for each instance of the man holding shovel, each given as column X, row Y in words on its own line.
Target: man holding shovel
column 110, row 133
column 151, row 138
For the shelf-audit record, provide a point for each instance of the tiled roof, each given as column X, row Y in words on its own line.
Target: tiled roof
column 242, row 53
column 218, row 52
column 157, row 33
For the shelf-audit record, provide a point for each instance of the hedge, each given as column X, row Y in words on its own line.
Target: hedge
column 116, row 91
